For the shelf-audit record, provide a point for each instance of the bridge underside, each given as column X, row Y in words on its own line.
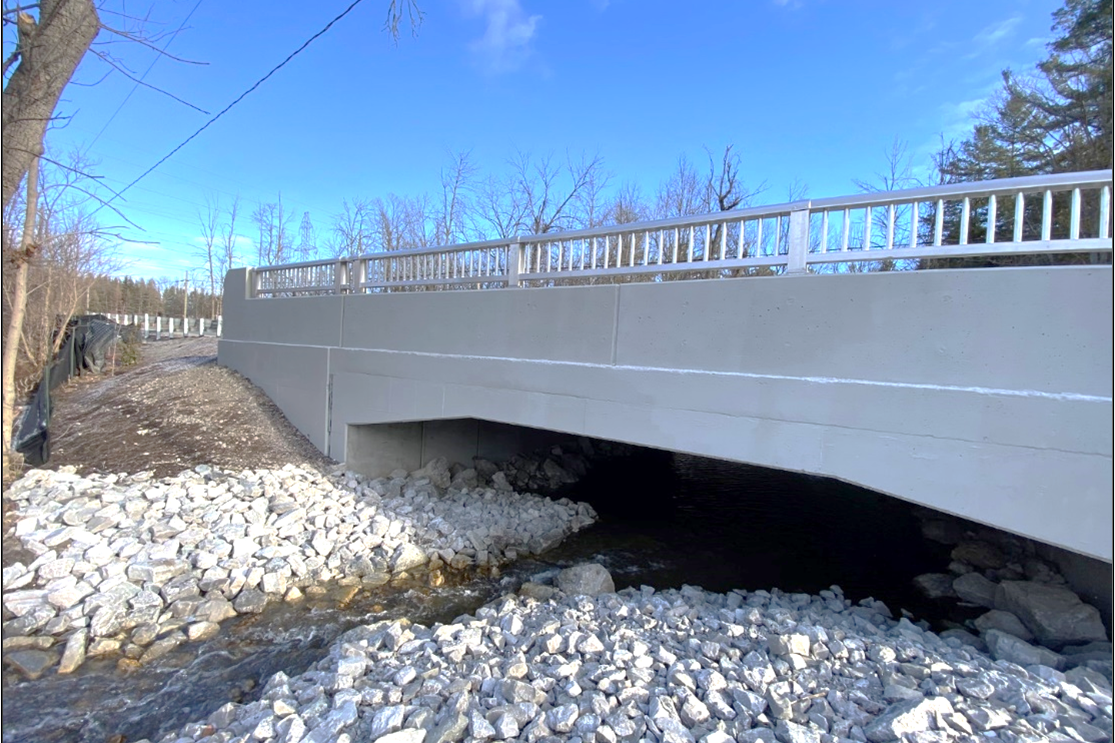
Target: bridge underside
column 982, row 393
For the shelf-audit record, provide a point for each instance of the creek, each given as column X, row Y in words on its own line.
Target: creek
column 666, row 520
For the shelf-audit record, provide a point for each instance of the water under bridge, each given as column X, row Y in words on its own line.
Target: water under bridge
column 892, row 340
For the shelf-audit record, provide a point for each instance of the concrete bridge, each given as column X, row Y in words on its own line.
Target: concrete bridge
column 829, row 337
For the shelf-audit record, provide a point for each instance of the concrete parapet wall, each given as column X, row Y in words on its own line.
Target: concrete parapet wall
column 984, row 393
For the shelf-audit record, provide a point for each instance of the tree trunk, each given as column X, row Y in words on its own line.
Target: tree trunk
column 49, row 52
column 22, row 259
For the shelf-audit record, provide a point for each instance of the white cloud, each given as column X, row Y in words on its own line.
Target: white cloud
column 991, row 35
column 506, row 43
column 956, row 118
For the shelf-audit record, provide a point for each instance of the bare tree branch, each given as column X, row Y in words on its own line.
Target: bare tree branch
column 109, row 60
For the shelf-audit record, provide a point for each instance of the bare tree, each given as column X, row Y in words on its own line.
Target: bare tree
column 590, row 207
column 351, row 232
column 51, row 260
column 20, row 260
column 682, row 193
column 228, row 254
column 538, row 195
column 897, row 174
column 628, row 205
column 46, row 53
column 496, row 214
column 208, row 222
column 273, row 222
column 400, row 223
column 456, row 184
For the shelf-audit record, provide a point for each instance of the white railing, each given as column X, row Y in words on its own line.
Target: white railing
column 1063, row 213
column 159, row 327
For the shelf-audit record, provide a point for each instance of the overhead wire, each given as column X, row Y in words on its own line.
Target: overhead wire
column 229, row 107
column 145, row 72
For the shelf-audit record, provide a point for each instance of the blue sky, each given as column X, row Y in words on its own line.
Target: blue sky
column 811, row 91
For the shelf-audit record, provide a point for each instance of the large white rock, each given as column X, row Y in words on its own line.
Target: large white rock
column 1055, row 615
column 589, row 579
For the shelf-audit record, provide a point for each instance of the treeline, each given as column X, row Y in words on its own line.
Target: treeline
column 533, row 195
column 1056, row 119
column 139, row 297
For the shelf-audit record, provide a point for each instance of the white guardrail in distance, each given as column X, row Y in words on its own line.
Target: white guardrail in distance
column 1062, row 213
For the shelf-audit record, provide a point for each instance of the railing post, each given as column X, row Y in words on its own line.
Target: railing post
column 514, row 262
column 798, row 239
column 359, row 271
column 340, row 276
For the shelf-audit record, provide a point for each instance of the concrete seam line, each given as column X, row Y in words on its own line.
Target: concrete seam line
column 1062, row 396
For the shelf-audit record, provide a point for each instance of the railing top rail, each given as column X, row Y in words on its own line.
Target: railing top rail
column 732, row 215
column 305, row 264
column 1000, row 186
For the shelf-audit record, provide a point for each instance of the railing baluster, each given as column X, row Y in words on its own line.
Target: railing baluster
column 939, row 223
column 1105, row 211
column 845, row 230
column 867, row 229
column 675, row 253
column 661, row 245
column 1019, row 215
column 708, row 239
column 1074, row 216
column 991, row 218
column 913, row 225
column 890, row 226
column 646, row 247
column 1047, row 215
column 692, row 247
column 632, row 262
column 594, row 254
column 759, row 237
column 965, row 214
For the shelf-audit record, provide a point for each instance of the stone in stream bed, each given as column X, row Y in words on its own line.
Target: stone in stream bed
column 589, row 579
column 30, row 663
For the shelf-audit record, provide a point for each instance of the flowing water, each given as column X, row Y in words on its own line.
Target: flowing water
column 666, row 521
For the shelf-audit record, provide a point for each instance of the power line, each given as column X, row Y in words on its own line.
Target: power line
column 145, row 73
column 239, row 98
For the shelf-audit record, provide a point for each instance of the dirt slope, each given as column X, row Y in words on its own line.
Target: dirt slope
column 172, row 411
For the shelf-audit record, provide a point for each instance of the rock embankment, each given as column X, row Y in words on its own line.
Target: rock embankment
column 133, row 566
column 677, row 666
column 1029, row 613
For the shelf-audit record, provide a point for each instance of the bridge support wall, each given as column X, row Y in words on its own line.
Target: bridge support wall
column 984, row 393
